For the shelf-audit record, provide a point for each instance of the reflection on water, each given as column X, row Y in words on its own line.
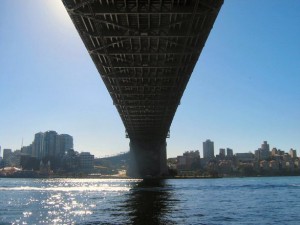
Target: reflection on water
column 69, row 201
column 149, row 202
column 164, row 202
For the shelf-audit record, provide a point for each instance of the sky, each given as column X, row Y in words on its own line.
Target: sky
column 245, row 88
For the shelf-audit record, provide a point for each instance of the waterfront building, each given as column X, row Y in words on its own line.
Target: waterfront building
column 64, row 142
column 1, row 159
column 27, row 150
column 297, row 164
column 245, row 157
column 172, row 163
column 208, row 149
column 190, row 160
column 225, row 166
column 16, row 158
column 274, row 152
column 274, row 165
column 229, row 152
column 293, row 153
column 7, row 156
column 277, row 158
column 256, row 154
column 86, row 160
column 256, row 166
column 7, row 153
column 283, row 164
column 265, row 146
column 181, row 162
column 286, row 157
column 263, row 153
column 38, row 144
column 280, row 152
column 49, row 147
column 45, row 168
column 264, row 165
column 290, row 165
column 71, row 160
column 51, row 144
column 222, row 153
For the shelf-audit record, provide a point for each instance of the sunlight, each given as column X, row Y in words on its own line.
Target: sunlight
column 58, row 10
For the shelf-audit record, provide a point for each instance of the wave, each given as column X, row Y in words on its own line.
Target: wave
column 67, row 189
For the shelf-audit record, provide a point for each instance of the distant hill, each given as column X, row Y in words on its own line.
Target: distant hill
column 113, row 162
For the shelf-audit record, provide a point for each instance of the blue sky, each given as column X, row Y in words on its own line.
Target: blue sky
column 244, row 89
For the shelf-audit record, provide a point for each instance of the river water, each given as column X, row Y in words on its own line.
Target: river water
column 264, row 200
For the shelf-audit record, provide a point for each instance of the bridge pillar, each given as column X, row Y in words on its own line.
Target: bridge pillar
column 148, row 158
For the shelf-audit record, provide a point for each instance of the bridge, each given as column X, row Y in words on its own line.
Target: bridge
column 145, row 52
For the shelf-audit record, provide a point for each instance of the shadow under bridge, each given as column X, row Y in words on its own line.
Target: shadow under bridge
column 145, row 52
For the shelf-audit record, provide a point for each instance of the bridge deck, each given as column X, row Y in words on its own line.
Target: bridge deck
column 145, row 52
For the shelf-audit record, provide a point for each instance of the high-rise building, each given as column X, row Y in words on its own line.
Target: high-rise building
column 265, row 146
column 293, row 153
column 7, row 153
column 49, row 144
column 49, row 147
column 1, row 164
column 222, row 152
column 38, row 145
column 208, row 149
column 181, row 162
column 264, row 151
column 27, row 150
column 16, row 158
column 229, row 152
column 7, row 156
column 64, row 142
column 257, row 154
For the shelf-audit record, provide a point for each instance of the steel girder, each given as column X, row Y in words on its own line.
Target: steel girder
column 145, row 52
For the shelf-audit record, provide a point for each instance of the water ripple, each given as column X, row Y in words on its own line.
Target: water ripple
column 104, row 201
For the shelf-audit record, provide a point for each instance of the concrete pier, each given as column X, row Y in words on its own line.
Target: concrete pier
column 148, row 158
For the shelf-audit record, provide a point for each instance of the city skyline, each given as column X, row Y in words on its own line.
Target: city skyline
column 208, row 150
column 244, row 88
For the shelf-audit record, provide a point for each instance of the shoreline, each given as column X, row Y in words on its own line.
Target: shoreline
column 150, row 178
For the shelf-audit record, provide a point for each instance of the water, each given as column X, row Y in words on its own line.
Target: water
column 271, row 200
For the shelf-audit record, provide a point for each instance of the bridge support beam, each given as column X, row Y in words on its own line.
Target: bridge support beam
column 148, row 158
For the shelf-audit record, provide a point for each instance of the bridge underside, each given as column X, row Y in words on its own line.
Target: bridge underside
column 145, row 52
